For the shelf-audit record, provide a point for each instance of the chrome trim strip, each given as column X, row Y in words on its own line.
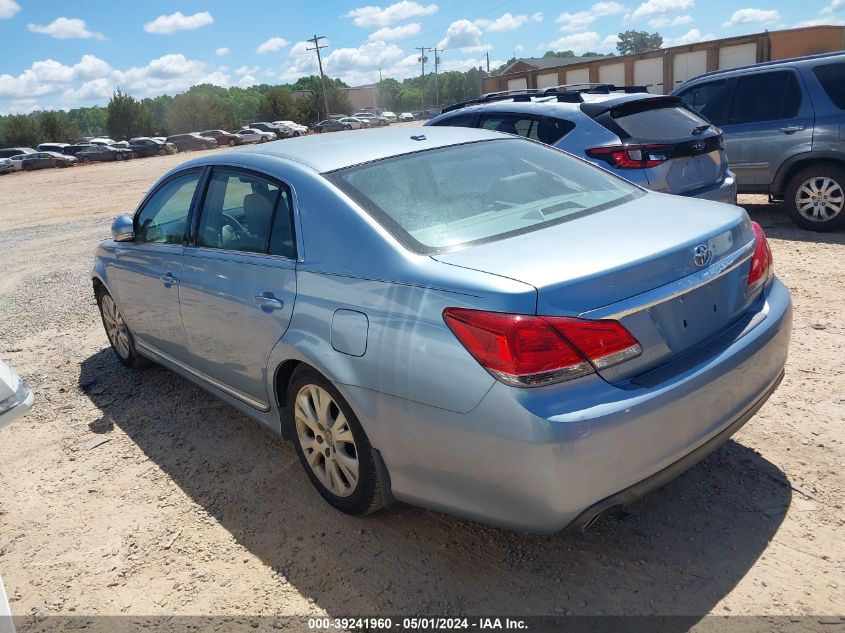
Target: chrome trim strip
column 679, row 288
column 255, row 404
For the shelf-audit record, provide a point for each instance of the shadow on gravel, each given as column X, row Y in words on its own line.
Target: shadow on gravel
column 679, row 552
column 776, row 223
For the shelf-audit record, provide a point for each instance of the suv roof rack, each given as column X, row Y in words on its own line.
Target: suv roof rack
column 565, row 93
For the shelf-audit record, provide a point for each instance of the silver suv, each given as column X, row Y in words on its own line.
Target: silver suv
column 784, row 127
column 652, row 140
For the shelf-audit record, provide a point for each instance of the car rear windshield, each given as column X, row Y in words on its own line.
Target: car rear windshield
column 656, row 121
column 832, row 79
column 441, row 199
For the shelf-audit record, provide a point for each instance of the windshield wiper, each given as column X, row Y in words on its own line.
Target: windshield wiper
column 699, row 129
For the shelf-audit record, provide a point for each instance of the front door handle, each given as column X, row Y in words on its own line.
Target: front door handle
column 269, row 303
column 791, row 129
column 168, row 279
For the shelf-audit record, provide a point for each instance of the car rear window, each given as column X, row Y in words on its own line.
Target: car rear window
column 832, row 79
column 656, row 121
column 441, row 199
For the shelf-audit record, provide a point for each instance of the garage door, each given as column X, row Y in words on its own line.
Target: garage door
column 549, row 80
column 580, row 76
column 688, row 65
column 649, row 72
column 612, row 74
column 518, row 84
column 733, row 56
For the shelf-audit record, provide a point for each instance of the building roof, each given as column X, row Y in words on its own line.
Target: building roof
column 542, row 63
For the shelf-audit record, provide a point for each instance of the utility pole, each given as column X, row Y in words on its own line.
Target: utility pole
column 436, row 85
column 488, row 61
column 316, row 41
column 422, row 59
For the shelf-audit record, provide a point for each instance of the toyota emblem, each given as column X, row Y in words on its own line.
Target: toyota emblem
column 701, row 255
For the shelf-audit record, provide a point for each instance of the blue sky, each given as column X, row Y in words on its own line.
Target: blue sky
column 68, row 54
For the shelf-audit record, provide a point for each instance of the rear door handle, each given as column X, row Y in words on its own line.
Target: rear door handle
column 791, row 129
column 168, row 279
column 269, row 303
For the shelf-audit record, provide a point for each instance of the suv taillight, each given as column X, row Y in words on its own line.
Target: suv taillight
column 631, row 156
column 524, row 350
column 762, row 264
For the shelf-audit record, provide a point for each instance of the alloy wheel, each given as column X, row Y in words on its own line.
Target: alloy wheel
column 819, row 199
column 115, row 327
column 326, row 440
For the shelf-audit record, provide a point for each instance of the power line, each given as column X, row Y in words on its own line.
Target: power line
column 316, row 41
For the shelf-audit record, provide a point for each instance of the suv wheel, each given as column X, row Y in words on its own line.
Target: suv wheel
column 332, row 446
column 816, row 198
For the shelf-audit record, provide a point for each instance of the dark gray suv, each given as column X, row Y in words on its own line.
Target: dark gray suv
column 784, row 129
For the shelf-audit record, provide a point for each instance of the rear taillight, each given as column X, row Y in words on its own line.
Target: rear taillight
column 524, row 350
column 631, row 156
column 761, row 263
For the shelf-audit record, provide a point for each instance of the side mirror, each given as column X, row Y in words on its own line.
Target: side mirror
column 123, row 229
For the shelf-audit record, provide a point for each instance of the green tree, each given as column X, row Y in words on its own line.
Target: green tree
column 89, row 121
column 277, row 104
column 194, row 111
column 638, row 42
column 57, row 127
column 312, row 106
column 558, row 54
column 21, row 130
column 127, row 118
column 390, row 94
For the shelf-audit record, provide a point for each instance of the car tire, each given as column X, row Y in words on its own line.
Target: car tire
column 331, row 438
column 85, row 160
column 295, row 134
column 120, row 338
column 27, row 167
column 822, row 215
column 263, row 139
column 232, row 142
column 162, row 152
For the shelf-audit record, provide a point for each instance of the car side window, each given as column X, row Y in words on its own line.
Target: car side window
column 462, row 120
column 163, row 218
column 832, row 79
column 528, row 127
column 762, row 97
column 555, row 130
column 242, row 211
column 708, row 98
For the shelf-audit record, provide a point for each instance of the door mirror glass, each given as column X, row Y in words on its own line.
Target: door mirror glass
column 122, row 229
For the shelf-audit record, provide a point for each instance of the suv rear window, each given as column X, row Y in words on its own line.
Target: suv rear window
column 437, row 200
column 832, row 79
column 656, row 121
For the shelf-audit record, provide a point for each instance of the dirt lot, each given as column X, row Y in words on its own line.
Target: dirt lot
column 189, row 508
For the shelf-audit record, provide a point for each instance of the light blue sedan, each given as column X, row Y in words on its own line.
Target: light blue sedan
column 454, row 318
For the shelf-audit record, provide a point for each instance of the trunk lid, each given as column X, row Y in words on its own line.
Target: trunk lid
column 634, row 262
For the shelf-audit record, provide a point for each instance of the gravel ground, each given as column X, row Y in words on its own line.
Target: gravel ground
column 188, row 508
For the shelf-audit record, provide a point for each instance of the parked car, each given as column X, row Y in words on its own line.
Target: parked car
column 191, row 142
column 52, row 147
column 375, row 121
column 16, row 397
column 44, row 160
column 145, row 147
column 331, row 125
column 222, row 137
column 100, row 140
column 781, row 121
column 406, row 117
column 248, row 135
column 354, row 123
column 17, row 161
column 278, row 130
column 8, row 152
column 652, row 140
column 390, row 116
column 6, row 166
column 298, row 129
column 73, row 150
column 418, row 331
column 103, row 153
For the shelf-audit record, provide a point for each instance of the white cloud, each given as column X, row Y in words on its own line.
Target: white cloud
column 50, row 77
column 690, row 37
column 273, row 45
column 582, row 19
column 353, row 65
column 578, row 42
column 390, row 34
column 506, row 22
column 753, row 16
column 247, row 70
column 166, row 24
column 833, row 6
column 537, row 17
column 831, row 21
column 221, row 52
column 658, row 23
column 385, row 16
column 66, row 29
column 246, row 81
column 462, row 34
column 609, row 42
column 8, row 9
column 659, row 7
column 518, row 48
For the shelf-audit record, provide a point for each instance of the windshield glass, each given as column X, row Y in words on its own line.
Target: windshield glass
column 442, row 199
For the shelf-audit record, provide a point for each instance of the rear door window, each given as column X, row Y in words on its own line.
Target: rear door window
column 760, row 97
column 526, row 126
column 832, row 79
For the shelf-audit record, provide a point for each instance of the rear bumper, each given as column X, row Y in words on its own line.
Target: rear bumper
column 541, row 459
column 725, row 192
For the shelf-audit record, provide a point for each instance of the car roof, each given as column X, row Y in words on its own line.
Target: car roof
column 329, row 152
